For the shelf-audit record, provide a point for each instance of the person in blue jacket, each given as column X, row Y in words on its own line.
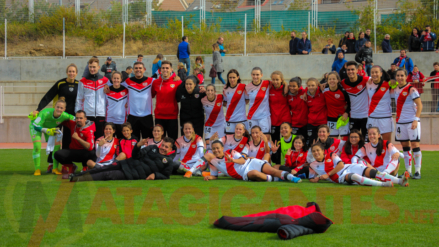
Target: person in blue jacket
column 221, row 46
column 338, row 64
column 304, row 45
column 183, row 53
column 387, row 48
column 427, row 39
column 404, row 62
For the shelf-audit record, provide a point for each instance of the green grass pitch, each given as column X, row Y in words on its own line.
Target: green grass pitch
column 46, row 211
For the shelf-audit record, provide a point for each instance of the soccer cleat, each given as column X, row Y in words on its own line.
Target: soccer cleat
column 71, row 176
column 56, row 171
column 65, row 169
column 85, row 168
column 205, row 174
column 417, row 175
column 405, row 179
column 49, row 168
column 302, row 176
column 37, row 172
column 296, row 180
column 197, row 173
column 388, row 184
column 188, row 174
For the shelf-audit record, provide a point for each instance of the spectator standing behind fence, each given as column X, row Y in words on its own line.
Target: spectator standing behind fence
column 330, row 47
column 108, row 67
column 404, row 62
column 221, row 46
column 392, row 71
column 415, row 40
column 416, row 78
column 339, row 62
column 217, row 63
column 304, row 45
column 427, row 39
column 183, row 53
column 181, row 71
column 350, row 43
column 360, row 42
column 434, row 88
column 387, row 48
column 344, row 39
column 139, row 59
column 293, row 43
column 365, row 57
column 157, row 63
column 367, row 34
column 87, row 70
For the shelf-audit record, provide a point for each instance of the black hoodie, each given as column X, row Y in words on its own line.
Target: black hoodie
column 191, row 108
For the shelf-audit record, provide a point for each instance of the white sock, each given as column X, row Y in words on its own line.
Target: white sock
column 276, row 179
column 365, row 181
column 290, row 177
column 282, row 175
column 418, row 160
column 384, row 177
column 269, row 178
column 391, row 166
column 408, row 161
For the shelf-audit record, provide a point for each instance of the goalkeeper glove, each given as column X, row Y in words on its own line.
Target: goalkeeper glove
column 31, row 116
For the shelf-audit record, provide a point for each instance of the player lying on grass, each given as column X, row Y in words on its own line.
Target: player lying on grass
column 46, row 122
column 233, row 164
column 330, row 167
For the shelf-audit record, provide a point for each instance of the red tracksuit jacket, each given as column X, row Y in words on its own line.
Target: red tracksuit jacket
column 279, row 109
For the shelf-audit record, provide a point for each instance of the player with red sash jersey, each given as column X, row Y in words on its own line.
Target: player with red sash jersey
column 213, row 107
column 234, row 100
column 257, row 92
column 382, row 154
column 354, row 143
column 258, row 147
column 338, row 105
column 408, row 124
column 106, row 147
column 330, row 144
column 158, row 133
column 298, row 107
column 278, row 101
column 233, row 164
column 116, row 103
column 380, row 102
column 295, row 158
column 190, row 148
column 330, row 167
column 355, row 86
column 237, row 141
column 317, row 111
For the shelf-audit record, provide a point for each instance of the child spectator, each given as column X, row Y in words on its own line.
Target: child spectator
column 182, row 71
column 126, row 143
column 361, row 70
column 416, row 78
column 199, row 75
column 199, row 64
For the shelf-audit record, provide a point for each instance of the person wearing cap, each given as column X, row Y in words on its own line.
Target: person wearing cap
column 108, row 67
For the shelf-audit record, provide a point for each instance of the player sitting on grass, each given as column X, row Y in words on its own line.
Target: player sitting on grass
column 330, row 167
column 46, row 122
column 234, row 165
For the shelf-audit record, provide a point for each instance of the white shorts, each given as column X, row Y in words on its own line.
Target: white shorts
column 352, row 168
column 385, row 125
column 230, row 127
column 404, row 132
column 253, row 164
column 333, row 131
column 264, row 123
column 209, row 131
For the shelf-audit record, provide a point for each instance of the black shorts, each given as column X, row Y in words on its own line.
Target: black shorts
column 358, row 124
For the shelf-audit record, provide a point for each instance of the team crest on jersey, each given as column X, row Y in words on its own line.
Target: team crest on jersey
column 360, row 87
column 58, row 123
column 300, row 155
column 262, row 149
column 165, row 160
column 383, row 89
column 196, row 96
column 115, row 146
column 239, row 92
column 328, row 160
column 404, row 93
column 332, row 148
column 133, row 143
column 100, row 81
column 219, row 104
column 82, row 135
column 122, row 93
column 193, row 146
column 71, row 89
column 145, row 84
column 337, row 95
column 264, row 88
column 241, row 145
column 172, row 85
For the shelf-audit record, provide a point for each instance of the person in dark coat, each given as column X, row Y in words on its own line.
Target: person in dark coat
column 387, row 48
column 367, row 34
column 343, row 40
column 360, row 42
column 415, row 40
column 365, row 57
column 150, row 163
column 189, row 94
column 350, row 43
column 293, row 43
column 304, row 45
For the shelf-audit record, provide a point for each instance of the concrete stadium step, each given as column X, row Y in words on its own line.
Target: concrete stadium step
column 23, row 98
column 26, row 86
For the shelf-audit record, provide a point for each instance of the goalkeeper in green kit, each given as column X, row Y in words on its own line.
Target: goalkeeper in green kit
column 46, row 122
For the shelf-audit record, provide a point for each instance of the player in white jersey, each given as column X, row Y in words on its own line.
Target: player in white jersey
column 382, row 154
column 106, row 147
column 213, row 107
column 259, row 147
column 157, row 134
column 237, row 141
column 116, row 103
column 258, row 93
column 408, row 123
column 331, row 168
column 331, row 145
column 190, row 148
column 234, row 100
column 233, row 164
column 380, row 108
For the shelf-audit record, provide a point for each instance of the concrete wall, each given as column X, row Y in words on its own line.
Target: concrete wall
column 299, row 65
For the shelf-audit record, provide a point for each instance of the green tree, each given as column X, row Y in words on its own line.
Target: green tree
column 299, row 5
column 224, row 5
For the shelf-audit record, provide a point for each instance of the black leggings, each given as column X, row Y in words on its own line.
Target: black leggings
column 99, row 123
column 312, row 134
column 66, row 139
column 103, row 173
column 304, row 170
column 170, row 126
column 68, row 156
column 303, row 131
column 198, row 126
column 141, row 125
column 275, row 133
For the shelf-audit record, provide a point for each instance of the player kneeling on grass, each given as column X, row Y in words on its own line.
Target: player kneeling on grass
column 190, row 148
column 233, row 164
column 330, row 167
column 46, row 122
